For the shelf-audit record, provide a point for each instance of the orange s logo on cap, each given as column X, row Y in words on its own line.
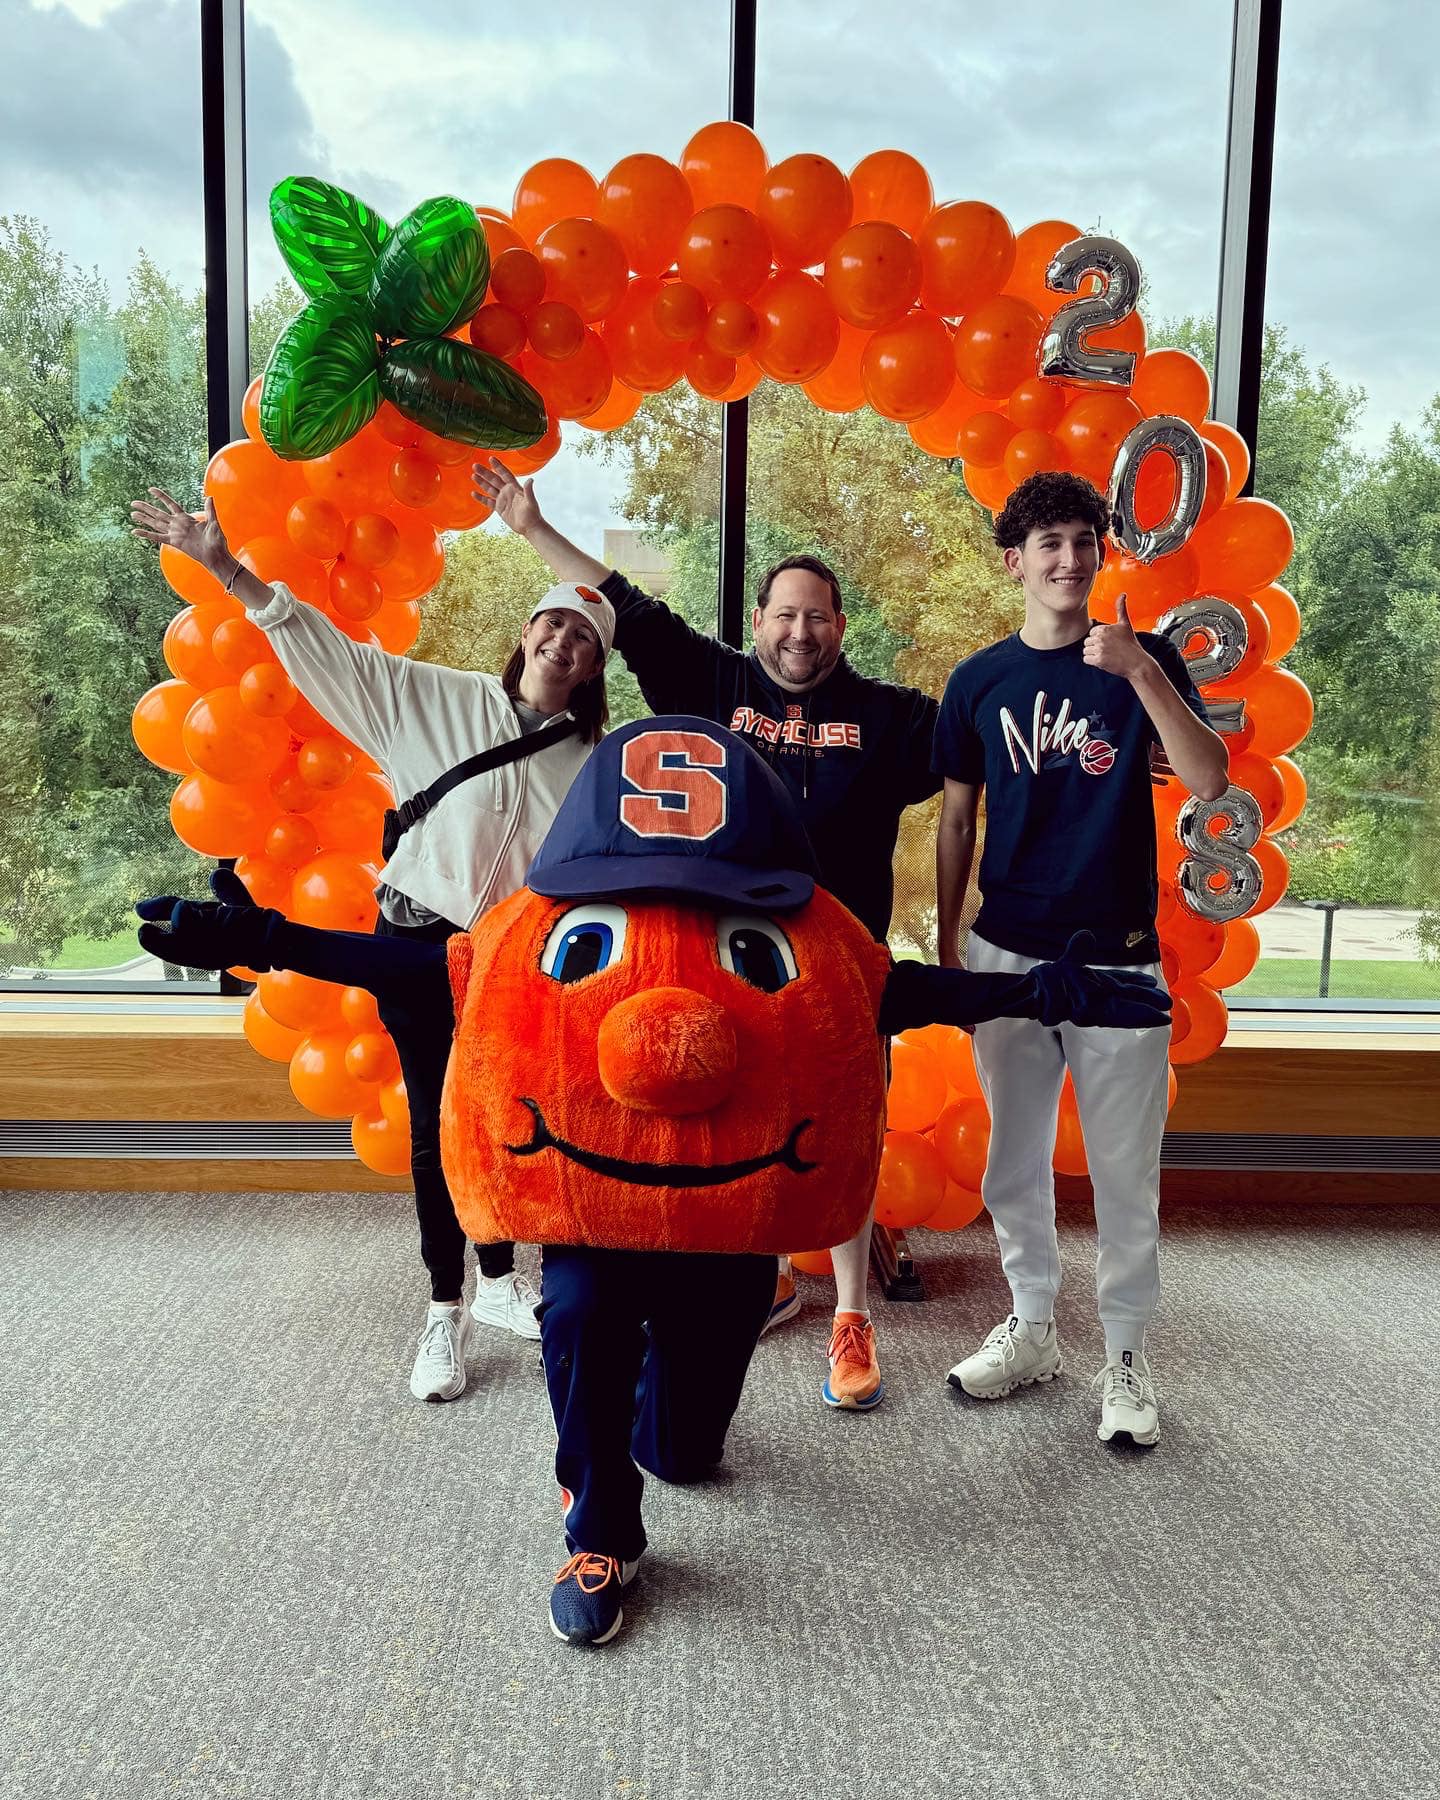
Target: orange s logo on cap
column 589, row 594
column 703, row 797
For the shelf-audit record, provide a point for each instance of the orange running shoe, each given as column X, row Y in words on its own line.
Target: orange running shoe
column 854, row 1380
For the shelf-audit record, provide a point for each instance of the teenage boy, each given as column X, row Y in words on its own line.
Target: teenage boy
column 1056, row 725
column 853, row 752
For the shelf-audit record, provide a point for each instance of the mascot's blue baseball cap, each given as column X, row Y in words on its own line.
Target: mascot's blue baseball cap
column 678, row 806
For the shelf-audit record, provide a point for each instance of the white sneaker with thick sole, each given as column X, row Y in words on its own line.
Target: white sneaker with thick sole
column 1012, row 1356
column 1127, row 1401
column 439, row 1372
column 508, row 1301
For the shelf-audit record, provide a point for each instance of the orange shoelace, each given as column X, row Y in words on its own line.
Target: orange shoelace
column 850, row 1343
column 591, row 1572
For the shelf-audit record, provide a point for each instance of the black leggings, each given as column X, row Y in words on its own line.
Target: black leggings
column 423, row 1044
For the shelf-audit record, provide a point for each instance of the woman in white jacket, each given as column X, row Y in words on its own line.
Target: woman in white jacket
column 469, row 851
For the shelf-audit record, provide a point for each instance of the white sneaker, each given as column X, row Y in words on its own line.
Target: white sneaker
column 1127, row 1401
column 508, row 1301
column 1013, row 1356
column 439, row 1372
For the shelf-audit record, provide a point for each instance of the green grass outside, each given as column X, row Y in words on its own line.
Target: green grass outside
column 1298, row 978
column 95, row 953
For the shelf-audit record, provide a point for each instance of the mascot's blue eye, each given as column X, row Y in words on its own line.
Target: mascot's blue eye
column 583, row 941
column 757, row 950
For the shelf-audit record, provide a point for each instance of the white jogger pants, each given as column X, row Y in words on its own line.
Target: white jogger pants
column 1121, row 1088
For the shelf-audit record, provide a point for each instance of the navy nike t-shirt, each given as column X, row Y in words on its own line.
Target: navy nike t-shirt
column 1063, row 752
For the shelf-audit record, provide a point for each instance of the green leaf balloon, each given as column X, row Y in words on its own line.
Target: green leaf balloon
column 329, row 239
column 431, row 272
column 321, row 383
column 461, row 393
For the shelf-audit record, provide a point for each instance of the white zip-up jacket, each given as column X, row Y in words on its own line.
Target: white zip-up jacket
column 417, row 721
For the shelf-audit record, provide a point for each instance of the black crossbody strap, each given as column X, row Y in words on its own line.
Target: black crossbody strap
column 496, row 757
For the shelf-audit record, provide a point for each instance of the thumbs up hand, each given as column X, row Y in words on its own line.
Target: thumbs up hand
column 1115, row 648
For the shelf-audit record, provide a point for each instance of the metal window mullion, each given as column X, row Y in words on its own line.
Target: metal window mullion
column 1245, row 219
column 227, row 327
column 735, row 420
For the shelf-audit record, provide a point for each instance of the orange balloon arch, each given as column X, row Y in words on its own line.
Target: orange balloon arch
column 720, row 270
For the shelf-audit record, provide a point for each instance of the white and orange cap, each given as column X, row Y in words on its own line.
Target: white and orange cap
column 588, row 602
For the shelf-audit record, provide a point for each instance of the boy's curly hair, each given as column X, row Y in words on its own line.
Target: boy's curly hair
column 1052, row 497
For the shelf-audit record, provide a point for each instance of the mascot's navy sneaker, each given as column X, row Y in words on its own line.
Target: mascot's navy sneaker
column 585, row 1600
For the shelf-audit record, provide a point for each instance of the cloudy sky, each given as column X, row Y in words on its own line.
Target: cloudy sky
column 1114, row 116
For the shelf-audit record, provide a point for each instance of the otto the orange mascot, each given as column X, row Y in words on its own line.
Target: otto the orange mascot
column 668, row 1066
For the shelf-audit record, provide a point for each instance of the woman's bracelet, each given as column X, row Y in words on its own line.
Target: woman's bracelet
column 233, row 573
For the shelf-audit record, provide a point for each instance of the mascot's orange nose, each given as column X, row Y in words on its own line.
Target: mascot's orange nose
column 668, row 1050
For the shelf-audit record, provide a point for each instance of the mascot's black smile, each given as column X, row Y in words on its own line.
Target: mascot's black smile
column 659, row 1174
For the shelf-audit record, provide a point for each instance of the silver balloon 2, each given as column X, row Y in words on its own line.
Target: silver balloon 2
column 1065, row 352
column 1181, row 442
column 1223, row 853
column 1221, row 627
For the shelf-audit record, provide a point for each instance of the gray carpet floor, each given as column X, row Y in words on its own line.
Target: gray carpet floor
column 241, row 1561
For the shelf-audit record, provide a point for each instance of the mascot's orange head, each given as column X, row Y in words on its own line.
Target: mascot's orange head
column 667, row 1039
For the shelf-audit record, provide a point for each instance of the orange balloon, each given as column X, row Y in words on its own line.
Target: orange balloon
column 1261, row 779
column 911, row 1183
column 291, row 840
column 275, row 559
column 268, row 692
column 535, row 456
column 995, row 345
column 500, row 233
column 1246, row 545
column 938, row 433
column 957, row 1209
column 1150, row 588
column 1069, row 1156
column 618, row 410
column 288, row 790
column 371, row 1056
column 1035, row 249
column 1036, row 404
column 250, row 410
column 414, row 481
column 517, row 282
column 812, row 1262
column 1234, row 449
column 216, row 818
column 680, row 312
column 1092, row 430
column 799, row 332
column 991, row 487
column 324, row 762
column 840, row 387
column 188, row 579
column 967, row 251
column 335, row 890
column 1280, row 706
column 983, row 438
column 584, row 266
column 1237, row 959
column 555, row 188
column 359, row 1010
column 748, row 376
column 1172, row 381
column 956, row 1050
column 355, row 592
column 252, row 490
column 917, row 1087
column 381, row 1145
column 351, row 817
column 237, row 645
column 316, row 527
column 640, row 353
column 710, row 372
column 275, row 1042
column 417, row 562
column 891, row 186
column 647, row 203
column 1191, row 944
column 498, row 329
column 872, row 274
column 581, row 383
column 724, row 165
column 356, row 477
column 268, row 883
column 909, row 369
column 804, row 205
column 157, row 725
column 1208, row 1022
column 962, row 1136
column 299, row 1002
column 725, row 252
column 1030, row 452
column 225, row 739
column 1283, row 617
column 319, row 1079
column 732, row 328
column 1295, row 794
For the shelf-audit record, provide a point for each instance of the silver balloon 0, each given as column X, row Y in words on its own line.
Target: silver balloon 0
column 1222, row 632
column 1181, row 442
column 1219, row 879
column 1065, row 354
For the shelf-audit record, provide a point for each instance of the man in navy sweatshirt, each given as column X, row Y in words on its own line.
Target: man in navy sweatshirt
column 854, row 753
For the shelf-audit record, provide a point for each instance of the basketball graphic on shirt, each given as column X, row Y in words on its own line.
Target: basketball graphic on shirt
column 1096, row 756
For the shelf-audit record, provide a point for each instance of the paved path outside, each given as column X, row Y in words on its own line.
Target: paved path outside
column 1361, row 933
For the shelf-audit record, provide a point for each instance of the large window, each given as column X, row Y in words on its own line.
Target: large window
column 1350, row 447
column 101, row 394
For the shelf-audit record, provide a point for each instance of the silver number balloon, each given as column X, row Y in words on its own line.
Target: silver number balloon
column 1219, row 879
column 1226, row 716
column 1181, row 442
column 1221, row 628
column 1065, row 354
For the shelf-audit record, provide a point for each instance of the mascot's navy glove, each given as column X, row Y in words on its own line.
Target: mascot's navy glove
column 1068, row 989
column 917, row 994
column 205, row 934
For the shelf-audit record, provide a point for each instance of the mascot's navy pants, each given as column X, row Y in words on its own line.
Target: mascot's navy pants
column 645, row 1356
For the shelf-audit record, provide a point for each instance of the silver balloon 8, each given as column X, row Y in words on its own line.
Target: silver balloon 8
column 1221, row 628
column 1220, row 853
column 1181, row 442
column 1065, row 354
